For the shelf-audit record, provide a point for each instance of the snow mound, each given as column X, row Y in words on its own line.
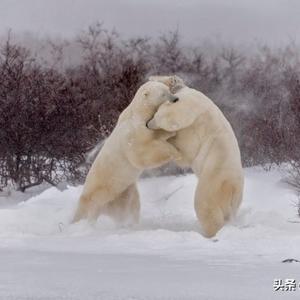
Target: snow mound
column 168, row 222
column 43, row 256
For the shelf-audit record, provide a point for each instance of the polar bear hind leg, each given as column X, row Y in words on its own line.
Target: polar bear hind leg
column 215, row 204
column 90, row 204
column 209, row 214
column 125, row 208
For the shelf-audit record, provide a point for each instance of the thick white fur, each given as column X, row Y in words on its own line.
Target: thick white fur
column 208, row 145
column 110, row 186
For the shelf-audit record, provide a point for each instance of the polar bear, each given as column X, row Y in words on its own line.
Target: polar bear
column 110, row 186
column 208, row 145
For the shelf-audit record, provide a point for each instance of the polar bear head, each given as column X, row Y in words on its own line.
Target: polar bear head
column 154, row 94
column 176, row 116
column 168, row 117
column 173, row 82
column 147, row 100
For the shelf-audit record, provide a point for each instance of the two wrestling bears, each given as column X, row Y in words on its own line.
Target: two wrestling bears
column 167, row 121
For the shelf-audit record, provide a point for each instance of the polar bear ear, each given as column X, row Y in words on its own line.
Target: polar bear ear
column 177, row 81
column 176, row 84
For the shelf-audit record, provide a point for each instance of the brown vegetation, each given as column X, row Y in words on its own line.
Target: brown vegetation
column 52, row 113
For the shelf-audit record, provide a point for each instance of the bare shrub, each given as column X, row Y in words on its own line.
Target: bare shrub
column 43, row 132
column 294, row 176
column 52, row 113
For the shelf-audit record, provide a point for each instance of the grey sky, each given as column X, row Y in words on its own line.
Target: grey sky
column 273, row 21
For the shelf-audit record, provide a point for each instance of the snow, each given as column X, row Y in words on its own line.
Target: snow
column 42, row 256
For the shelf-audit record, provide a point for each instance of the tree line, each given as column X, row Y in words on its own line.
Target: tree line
column 52, row 113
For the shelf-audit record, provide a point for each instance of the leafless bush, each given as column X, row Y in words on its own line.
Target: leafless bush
column 52, row 113
column 43, row 132
column 293, row 179
column 294, row 175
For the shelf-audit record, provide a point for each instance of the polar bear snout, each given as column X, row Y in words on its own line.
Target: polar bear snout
column 174, row 99
column 151, row 124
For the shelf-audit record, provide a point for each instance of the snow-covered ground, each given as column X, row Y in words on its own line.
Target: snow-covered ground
column 42, row 256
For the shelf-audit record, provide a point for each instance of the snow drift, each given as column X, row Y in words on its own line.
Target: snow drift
column 161, row 249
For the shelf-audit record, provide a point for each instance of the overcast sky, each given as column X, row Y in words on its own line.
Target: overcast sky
column 272, row 21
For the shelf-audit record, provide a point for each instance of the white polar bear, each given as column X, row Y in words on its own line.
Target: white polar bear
column 208, row 145
column 110, row 186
